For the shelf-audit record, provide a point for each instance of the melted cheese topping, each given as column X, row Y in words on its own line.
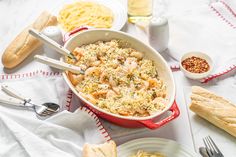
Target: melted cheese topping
column 118, row 80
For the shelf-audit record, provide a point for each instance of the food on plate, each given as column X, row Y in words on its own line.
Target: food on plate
column 118, row 79
column 195, row 64
column 142, row 153
column 107, row 149
column 24, row 44
column 215, row 109
column 85, row 13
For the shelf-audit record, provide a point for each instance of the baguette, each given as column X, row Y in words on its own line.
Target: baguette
column 24, row 44
column 215, row 109
column 107, row 149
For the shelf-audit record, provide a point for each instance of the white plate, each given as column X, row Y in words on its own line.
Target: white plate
column 119, row 11
column 167, row 147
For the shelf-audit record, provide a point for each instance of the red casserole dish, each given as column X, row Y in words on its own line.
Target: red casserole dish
column 153, row 121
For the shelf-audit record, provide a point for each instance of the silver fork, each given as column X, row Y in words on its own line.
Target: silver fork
column 212, row 149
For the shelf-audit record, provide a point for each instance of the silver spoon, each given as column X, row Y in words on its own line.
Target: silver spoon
column 60, row 49
column 17, row 99
column 41, row 110
column 51, row 43
column 45, row 109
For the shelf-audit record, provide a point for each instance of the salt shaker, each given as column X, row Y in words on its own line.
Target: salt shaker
column 55, row 34
column 158, row 35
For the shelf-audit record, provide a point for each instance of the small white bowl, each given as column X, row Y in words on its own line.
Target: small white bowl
column 192, row 75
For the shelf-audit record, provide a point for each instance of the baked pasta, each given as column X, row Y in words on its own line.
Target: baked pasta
column 118, row 79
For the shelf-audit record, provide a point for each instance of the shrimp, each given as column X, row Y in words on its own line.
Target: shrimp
column 116, row 90
column 104, row 78
column 145, row 85
column 110, row 94
column 112, row 82
column 142, row 112
column 78, row 52
column 152, row 82
column 100, row 94
column 93, row 71
column 160, row 92
column 155, row 83
column 82, row 66
column 130, row 64
column 92, row 59
column 140, row 85
column 89, row 97
column 75, row 79
column 95, row 63
column 137, row 55
column 121, row 72
column 121, row 59
column 159, row 102
column 144, row 76
column 124, row 112
column 115, row 64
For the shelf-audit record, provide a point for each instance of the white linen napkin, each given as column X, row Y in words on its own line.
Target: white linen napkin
column 209, row 28
column 205, row 26
column 202, row 128
column 24, row 134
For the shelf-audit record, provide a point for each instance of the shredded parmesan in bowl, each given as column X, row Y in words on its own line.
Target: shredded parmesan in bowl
column 142, row 153
column 118, row 79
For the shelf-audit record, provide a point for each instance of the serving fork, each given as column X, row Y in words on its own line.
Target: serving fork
column 211, row 148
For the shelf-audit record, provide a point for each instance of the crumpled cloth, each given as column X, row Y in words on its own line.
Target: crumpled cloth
column 23, row 134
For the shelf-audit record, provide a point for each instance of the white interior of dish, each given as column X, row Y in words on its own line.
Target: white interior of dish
column 163, row 69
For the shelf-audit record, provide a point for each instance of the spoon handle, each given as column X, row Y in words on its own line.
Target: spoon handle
column 58, row 64
column 13, row 93
column 51, row 43
column 11, row 100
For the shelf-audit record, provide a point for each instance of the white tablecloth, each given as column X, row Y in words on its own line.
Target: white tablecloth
column 15, row 15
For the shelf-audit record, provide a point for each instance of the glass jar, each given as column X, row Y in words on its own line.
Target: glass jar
column 139, row 10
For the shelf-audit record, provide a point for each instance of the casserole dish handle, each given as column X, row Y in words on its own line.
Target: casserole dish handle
column 154, row 125
column 69, row 34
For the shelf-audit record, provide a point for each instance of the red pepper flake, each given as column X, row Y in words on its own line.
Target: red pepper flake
column 195, row 65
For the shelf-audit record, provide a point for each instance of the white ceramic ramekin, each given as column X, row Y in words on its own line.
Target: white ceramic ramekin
column 192, row 75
